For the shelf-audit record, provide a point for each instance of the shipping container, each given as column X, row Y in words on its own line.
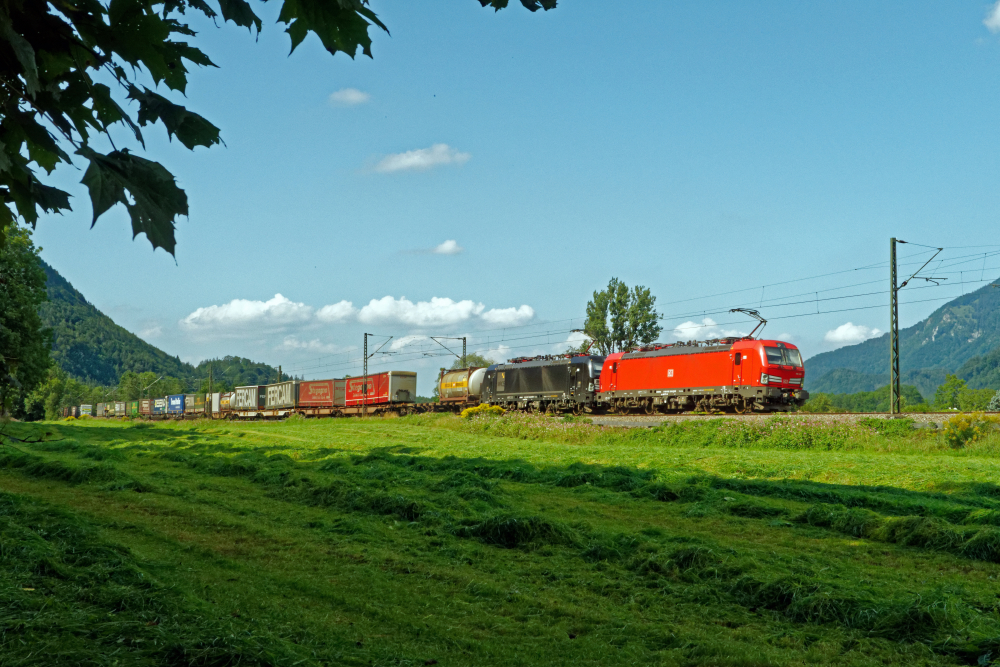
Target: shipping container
column 340, row 392
column 133, row 408
column 120, row 408
column 199, row 404
column 251, row 397
column 146, row 406
column 101, row 410
column 189, row 403
column 159, row 406
column 316, row 394
column 226, row 401
column 281, row 395
column 175, row 404
column 214, row 402
column 75, row 411
column 382, row 388
column 87, row 410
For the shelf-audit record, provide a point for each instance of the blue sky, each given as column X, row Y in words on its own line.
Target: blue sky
column 695, row 148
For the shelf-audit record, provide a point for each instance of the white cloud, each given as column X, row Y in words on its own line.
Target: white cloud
column 314, row 345
column 349, row 97
column 278, row 312
column 421, row 159
column 498, row 354
column 707, row 328
column 336, row 312
column 449, row 247
column 508, row 317
column 992, row 20
column 152, row 331
column 849, row 333
column 400, row 343
column 437, row 312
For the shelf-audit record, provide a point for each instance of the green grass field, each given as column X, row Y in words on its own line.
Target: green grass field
column 513, row 541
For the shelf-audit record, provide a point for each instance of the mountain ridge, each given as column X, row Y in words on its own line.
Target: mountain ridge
column 961, row 337
column 90, row 347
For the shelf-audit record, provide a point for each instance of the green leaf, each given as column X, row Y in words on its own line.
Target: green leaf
column 23, row 51
column 156, row 201
column 191, row 129
column 530, row 5
column 342, row 25
column 108, row 111
column 239, row 12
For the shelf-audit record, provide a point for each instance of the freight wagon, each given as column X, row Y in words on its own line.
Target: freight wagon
column 101, row 410
column 120, row 409
column 87, row 410
column 248, row 402
column 739, row 375
column 391, row 391
column 133, row 408
column 460, row 388
column 146, row 407
column 175, row 405
column 551, row 383
column 280, row 399
column 194, row 405
column 159, row 407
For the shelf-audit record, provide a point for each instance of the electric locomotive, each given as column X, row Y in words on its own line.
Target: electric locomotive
column 550, row 383
column 731, row 374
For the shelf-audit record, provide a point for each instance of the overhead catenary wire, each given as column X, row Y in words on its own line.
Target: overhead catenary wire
column 945, row 266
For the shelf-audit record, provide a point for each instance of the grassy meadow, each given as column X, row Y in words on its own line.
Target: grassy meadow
column 432, row 540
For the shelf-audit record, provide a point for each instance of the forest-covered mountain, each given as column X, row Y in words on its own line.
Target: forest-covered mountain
column 90, row 347
column 962, row 336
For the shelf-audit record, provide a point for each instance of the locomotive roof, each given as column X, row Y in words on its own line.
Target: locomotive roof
column 703, row 347
column 549, row 361
column 677, row 350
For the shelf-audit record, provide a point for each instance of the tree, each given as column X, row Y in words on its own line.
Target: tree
column 472, row 359
column 947, row 394
column 54, row 58
column 618, row 318
column 24, row 343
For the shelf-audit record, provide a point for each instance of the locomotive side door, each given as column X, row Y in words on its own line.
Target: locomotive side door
column 738, row 369
column 574, row 384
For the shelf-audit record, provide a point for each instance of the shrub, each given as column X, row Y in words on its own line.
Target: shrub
column 994, row 405
column 962, row 429
column 482, row 409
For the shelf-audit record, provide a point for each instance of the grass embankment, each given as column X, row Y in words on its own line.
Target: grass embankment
column 513, row 541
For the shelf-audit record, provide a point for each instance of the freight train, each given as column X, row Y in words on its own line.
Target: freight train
column 727, row 374
column 738, row 375
column 390, row 392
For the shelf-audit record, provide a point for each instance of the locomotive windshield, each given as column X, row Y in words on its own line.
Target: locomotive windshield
column 782, row 356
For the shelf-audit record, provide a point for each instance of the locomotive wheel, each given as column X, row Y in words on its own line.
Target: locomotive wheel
column 650, row 408
column 741, row 406
column 577, row 409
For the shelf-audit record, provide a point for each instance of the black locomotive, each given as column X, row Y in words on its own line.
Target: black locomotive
column 550, row 383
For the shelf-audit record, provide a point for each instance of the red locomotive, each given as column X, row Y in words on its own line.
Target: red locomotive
column 739, row 374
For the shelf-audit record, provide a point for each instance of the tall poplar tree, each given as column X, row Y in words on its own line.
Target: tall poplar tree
column 619, row 318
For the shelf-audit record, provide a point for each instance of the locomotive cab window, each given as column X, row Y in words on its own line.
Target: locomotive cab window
column 737, row 358
column 782, row 356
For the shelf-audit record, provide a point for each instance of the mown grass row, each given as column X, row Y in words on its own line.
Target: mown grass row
column 67, row 597
column 446, row 501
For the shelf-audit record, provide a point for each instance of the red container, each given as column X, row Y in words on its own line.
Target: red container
column 316, row 394
column 387, row 387
column 146, row 406
column 378, row 390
